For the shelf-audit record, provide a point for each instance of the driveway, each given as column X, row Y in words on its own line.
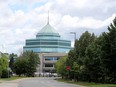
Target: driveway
column 44, row 82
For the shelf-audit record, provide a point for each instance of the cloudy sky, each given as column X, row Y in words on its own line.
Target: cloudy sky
column 22, row 19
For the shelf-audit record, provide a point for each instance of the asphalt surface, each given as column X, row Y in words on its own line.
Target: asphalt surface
column 44, row 82
column 12, row 83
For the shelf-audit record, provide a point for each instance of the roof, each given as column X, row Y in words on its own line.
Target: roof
column 48, row 29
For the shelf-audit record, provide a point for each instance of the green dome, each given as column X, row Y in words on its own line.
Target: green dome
column 48, row 29
column 47, row 32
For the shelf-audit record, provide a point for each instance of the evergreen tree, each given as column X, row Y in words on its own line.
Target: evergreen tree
column 71, row 58
column 92, row 61
column 109, row 53
column 84, row 41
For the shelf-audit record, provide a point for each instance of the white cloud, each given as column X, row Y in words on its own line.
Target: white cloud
column 109, row 20
column 87, row 22
column 65, row 15
column 44, row 8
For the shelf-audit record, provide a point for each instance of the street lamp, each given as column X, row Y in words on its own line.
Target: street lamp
column 74, row 34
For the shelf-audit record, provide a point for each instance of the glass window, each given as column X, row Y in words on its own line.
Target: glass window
column 56, row 58
column 48, row 65
column 48, row 58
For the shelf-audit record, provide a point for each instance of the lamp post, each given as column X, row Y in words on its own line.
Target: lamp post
column 74, row 34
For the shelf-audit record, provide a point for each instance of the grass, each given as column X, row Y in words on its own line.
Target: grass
column 87, row 84
column 12, row 78
column 96, row 84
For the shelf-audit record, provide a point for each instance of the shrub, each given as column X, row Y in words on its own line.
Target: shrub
column 0, row 71
column 4, row 73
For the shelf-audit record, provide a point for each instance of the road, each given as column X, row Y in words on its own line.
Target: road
column 44, row 82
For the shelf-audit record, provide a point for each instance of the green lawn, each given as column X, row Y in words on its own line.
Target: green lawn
column 103, row 85
column 87, row 84
column 12, row 78
column 95, row 84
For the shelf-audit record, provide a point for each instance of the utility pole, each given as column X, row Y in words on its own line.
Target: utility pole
column 74, row 35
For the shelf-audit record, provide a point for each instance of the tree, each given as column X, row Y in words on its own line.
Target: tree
column 75, row 71
column 4, row 66
column 33, row 61
column 84, row 41
column 92, row 61
column 80, row 46
column 94, row 56
column 71, row 58
column 4, row 62
column 78, row 54
column 21, row 66
column 0, row 70
column 12, row 60
column 61, row 66
column 26, row 64
column 109, row 53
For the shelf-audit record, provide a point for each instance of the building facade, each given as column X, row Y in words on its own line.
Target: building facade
column 50, row 47
column 48, row 61
column 47, row 41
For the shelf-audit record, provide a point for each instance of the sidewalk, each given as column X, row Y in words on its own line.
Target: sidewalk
column 13, row 83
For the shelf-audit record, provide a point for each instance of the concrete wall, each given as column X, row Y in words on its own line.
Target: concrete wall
column 41, row 68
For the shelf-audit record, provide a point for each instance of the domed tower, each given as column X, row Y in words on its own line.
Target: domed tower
column 47, row 41
column 50, row 47
column 48, row 32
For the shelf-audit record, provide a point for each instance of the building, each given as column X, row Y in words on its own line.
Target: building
column 50, row 47
column 48, row 61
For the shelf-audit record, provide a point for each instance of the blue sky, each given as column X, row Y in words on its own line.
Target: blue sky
column 22, row 19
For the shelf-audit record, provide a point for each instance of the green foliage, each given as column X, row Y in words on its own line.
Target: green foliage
column 4, row 66
column 21, row 66
column 71, row 58
column 12, row 60
column 92, row 61
column 84, row 41
column 0, row 70
column 4, row 62
column 77, row 57
column 75, row 67
column 26, row 64
column 75, row 71
column 4, row 73
column 94, row 56
column 33, row 61
column 61, row 66
column 87, row 84
column 109, row 53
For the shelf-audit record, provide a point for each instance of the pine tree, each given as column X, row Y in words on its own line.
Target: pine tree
column 109, row 53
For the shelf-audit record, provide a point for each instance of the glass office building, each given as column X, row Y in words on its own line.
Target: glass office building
column 49, row 46
column 47, row 40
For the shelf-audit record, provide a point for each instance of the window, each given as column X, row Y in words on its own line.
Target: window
column 56, row 58
column 48, row 58
column 48, row 65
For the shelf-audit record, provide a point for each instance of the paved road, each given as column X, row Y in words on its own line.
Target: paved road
column 44, row 82
column 12, row 83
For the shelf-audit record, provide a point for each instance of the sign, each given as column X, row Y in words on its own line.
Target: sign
column 67, row 68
